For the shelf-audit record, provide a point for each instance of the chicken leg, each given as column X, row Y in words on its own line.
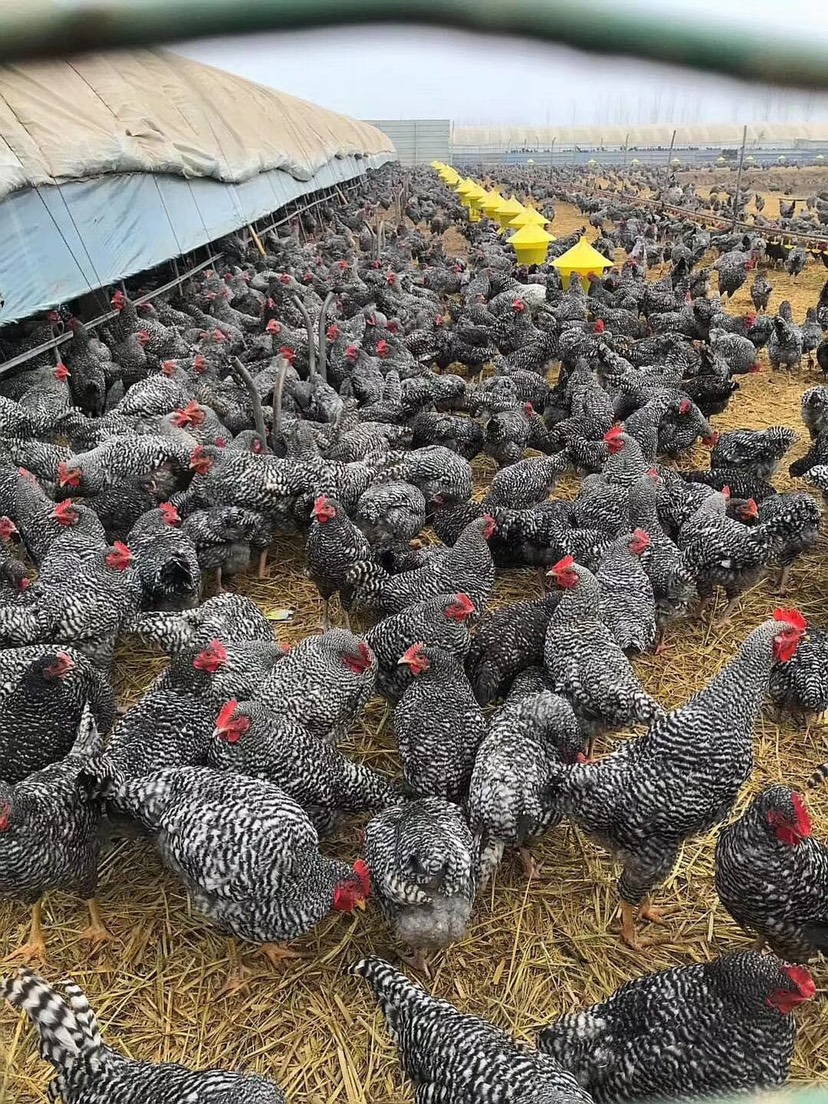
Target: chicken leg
column 35, row 949
column 96, row 932
column 262, row 573
column 628, row 917
column 728, row 611
column 277, row 955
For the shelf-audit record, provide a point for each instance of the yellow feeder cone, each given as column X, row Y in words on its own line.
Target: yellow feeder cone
column 536, row 216
column 508, row 209
column 531, row 243
column 491, row 204
column 463, row 188
column 582, row 260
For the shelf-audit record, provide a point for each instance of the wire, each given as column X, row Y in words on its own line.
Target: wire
column 38, row 28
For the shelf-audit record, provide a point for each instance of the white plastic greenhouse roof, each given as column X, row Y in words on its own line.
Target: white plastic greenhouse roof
column 639, row 136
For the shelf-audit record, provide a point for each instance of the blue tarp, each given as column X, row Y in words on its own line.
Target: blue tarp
column 63, row 241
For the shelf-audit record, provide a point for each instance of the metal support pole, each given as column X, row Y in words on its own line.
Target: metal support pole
column 739, row 179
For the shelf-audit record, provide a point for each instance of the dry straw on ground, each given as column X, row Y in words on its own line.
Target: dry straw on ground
column 532, row 950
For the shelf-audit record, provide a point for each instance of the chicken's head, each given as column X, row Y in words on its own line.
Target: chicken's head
column 5, row 814
column 392, row 327
column 599, row 326
column 640, row 542
column 7, row 528
column 358, row 659
column 653, row 476
column 143, row 338
column 685, row 406
column 62, row 373
column 65, row 513
column 415, row 659
column 614, row 439
column 168, row 368
column 200, row 363
column 354, row 890
column 69, row 476
column 273, row 327
column 391, row 279
column 288, row 353
column 332, row 333
column 285, row 279
column 120, row 558
column 230, row 724
column 352, row 354
column 711, row 440
column 307, row 277
column 118, row 301
column 755, row 368
column 565, row 573
column 749, row 511
column 200, row 460
column 323, row 510
column 529, row 410
column 786, row 815
column 343, row 266
column 61, row 663
column 489, row 526
column 793, row 627
column 383, row 348
column 212, row 658
column 796, row 988
column 195, row 415
column 170, row 514
column 461, row 608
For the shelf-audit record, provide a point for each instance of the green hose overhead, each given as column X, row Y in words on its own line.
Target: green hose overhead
column 32, row 28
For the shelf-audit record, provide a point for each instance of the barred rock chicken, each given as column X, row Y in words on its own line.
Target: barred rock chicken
column 90, row 1072
column 424, row 865
column 246, row 852
column 508, row 802
column 49, row 835
column 772, row 875
column 229, row 617
column 249, row 739
column 166, row 560
column 785, row 341
column 459, row 1059
column 627, row 600
column 526, row 482
column 760, row 291
column 438, row 725
column 757, row 450
column 219, row 671
column 323, row 683
column 801, row 686
column 467, row 566
column 584, row 661
column 710, row 1030
column 223, row 538
column 123, row 457
column 441, row 622
column 44, row 691
column 802, row 516
column 683, row 776
column 508, row 641
column 733, row 269
column 334, row 545
column 391, row 513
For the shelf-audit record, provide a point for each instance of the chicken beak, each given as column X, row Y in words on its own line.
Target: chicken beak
column 361, row 905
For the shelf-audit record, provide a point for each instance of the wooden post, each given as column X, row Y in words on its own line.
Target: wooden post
column 739, row 180
column 256, row 239
column 669, row 159
column 626, row 148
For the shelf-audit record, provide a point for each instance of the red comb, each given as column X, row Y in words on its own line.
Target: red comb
column 564, row 564
column 364, row 874
column 226, row 714
column 614, row 432
column 792, row 617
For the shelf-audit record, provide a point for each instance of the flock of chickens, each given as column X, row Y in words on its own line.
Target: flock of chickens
column 339, row 386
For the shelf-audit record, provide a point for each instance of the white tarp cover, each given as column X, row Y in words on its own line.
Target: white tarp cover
column 710, row 134
column 154, row 111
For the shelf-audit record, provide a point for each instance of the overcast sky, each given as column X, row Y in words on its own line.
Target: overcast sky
column 409, row 72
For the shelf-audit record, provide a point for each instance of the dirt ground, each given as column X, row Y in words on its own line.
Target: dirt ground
column 532, row 951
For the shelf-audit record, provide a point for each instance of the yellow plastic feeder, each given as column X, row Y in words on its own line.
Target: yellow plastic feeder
column 477, row 198
column 508, row 209
column 581, row 260
column 463, row 187
column 531, row 244
column 491, row 203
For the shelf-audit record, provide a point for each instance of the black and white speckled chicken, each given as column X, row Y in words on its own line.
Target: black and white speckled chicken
column 334, row 544
column 800, row 686
column 785, row 341
column 508, row 800
column 683, row 775
column 249, row 739
column 584, row 661
column 506, row 434
column 323, row 683
column 43, row 692
column 708, row 1030
column 424, row 865
column 733, row 269
column 672, row 583
column 391, row 513
column 760, row 291
column 441, row 622
column 758, row 450
column 438, row 724
column 223, row 537
column 90, row 1072
column 228, row 617
column 527, row 482
column 123, row 458
column 742, row 482
column 460, row 1059
column 462, row 435
column 246, row 852
column 802, row 516
column 772, row 875
column 467, row 566
column 218, row 671
column 508, row 641
column 49, row 825
column 627, row 600
column 166, row 559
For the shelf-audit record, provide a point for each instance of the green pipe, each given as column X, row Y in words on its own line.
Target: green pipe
column 40, row 28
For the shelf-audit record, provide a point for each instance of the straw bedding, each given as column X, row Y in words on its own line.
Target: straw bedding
column 532, row 950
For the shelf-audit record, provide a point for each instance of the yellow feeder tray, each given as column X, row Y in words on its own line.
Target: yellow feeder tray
column 530, row 243
column 536, row 216
column 581, row 260
column 508, row 209
column 491, row 203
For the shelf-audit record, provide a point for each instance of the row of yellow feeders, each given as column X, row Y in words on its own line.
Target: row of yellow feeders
column 530, row 238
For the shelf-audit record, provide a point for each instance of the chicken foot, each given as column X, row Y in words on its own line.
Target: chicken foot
column 417, row 960
column 277, row 955
column 96, row 933
column 645, row 911
column 35, row 949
